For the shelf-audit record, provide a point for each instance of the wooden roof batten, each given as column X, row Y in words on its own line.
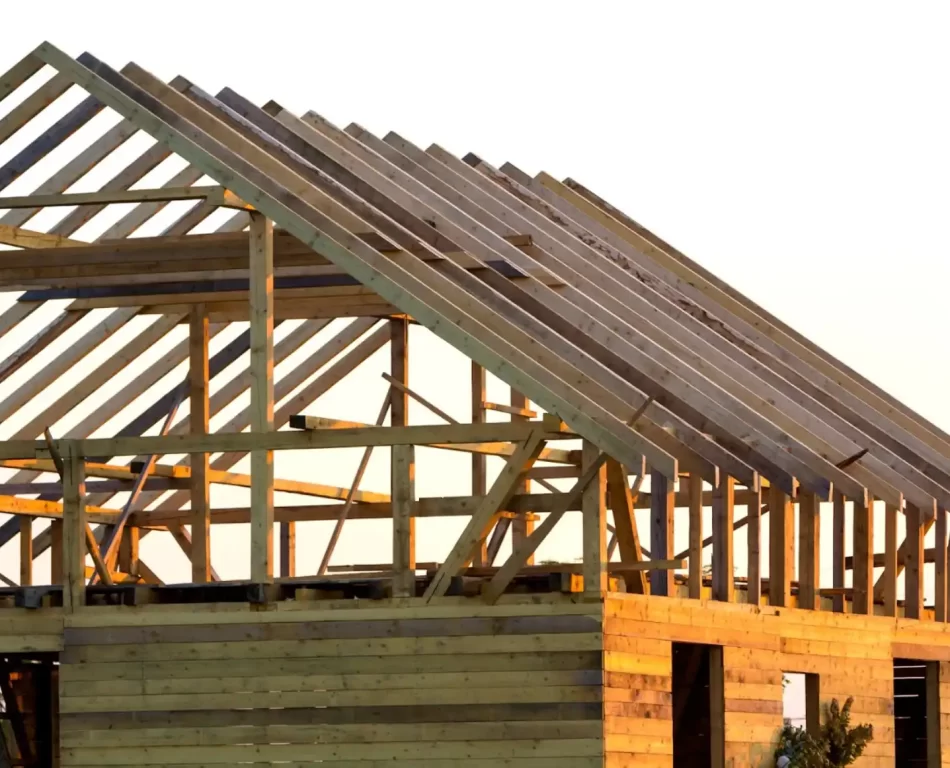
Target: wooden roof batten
column 542, row 283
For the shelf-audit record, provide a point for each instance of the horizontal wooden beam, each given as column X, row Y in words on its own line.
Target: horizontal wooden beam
column 12, row 505
column 880, row 559
column 494, row 448
column 27, row 238
column 213, row 194
column 447, row 506
column 527, row 570
column 241, row 442
column 100, row 486
column 146, row 261
column 502, row 408
column 219, row 477
column 117, row 576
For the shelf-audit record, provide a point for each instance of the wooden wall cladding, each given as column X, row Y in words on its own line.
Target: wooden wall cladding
column 527, row 682
column 30, row 631
column 437, row 687
column 853, row 655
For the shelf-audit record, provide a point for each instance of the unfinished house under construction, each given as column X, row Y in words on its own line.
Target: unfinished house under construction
column 648, row 400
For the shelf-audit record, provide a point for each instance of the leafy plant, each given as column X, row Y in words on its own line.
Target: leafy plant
column 837, row 745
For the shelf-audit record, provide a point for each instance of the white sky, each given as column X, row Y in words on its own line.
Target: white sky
column 799, row 152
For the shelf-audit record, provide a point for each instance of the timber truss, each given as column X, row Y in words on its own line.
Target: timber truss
column 606, row 335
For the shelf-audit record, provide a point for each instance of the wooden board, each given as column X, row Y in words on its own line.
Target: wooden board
column 516, row 683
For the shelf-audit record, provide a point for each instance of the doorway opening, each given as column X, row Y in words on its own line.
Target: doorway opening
column 917, row 713
column 29, row 704
column 698, row 706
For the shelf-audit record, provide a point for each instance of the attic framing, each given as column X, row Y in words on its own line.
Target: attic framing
column 624, row 359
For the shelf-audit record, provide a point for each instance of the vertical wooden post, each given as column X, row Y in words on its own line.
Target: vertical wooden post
column 723, row 519
column 717, row 706
column 781, row 547
column 813, row 705
column 288, row 549
column 809, row 550
column 26, row 551
column 839, row 602
column 913, row 565
column 862, row 572
column 934, row 716
column 890, row 559
column 199, row 425
column 74, row 531
column 940, row 566
column 695, row 536
column 262, row 395
column 56, row 552
column 754, row 545
column 129, row 550
column 479, row 468
column 403, row 469
column 662, row 506
column 521, row 527
column 594, row 525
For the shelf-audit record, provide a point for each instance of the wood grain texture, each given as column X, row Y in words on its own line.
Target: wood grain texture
column 516, row 683
column 262, row 395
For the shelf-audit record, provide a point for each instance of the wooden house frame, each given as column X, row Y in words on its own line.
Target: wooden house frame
column 627, row 362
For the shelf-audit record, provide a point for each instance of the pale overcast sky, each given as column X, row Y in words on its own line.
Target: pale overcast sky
column 798, row 151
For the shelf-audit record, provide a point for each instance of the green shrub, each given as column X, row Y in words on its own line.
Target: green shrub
column 837, row 745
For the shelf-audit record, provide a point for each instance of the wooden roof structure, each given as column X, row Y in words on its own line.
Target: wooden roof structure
column 623, row 340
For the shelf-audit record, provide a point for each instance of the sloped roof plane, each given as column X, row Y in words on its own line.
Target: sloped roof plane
column 604, row 319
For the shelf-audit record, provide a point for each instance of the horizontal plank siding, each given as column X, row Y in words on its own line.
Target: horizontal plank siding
column 396, row 686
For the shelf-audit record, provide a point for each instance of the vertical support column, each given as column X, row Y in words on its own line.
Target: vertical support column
column 890, row 560
column 781, row 547
column 288, row 549
column 662, row 506
column 913, row 565
column 717, row 707
column 74, row 531
column 594, row 511
column 26, row 551
column 479, row 467
column 840, row 602
column 403, row 469
column 56, row 552
column 934, row 729
column 129, row 550
column 695, row 536
column 940, row 566
column 198, row 383
column 813, row 705
column 754, row 544
column 809, row 550
column 862, row 570
column 723, row 518
column 262, row 395
column 521, row 527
